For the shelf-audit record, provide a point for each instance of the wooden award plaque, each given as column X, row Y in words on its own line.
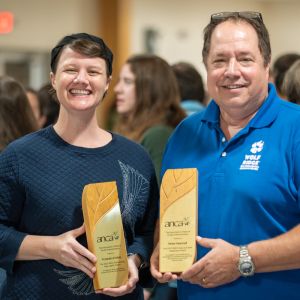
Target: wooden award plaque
column 105, row 235
column 178, row 220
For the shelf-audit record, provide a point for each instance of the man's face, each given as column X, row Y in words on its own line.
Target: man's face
column 236, row 76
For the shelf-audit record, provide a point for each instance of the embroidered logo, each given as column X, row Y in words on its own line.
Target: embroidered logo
column 257, row 147
column 252, row 161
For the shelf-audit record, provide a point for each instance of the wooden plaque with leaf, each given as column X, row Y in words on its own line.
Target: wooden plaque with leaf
column 105, row 234
column 178, row 220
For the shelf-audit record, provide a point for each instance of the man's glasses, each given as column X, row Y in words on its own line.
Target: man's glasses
column 242, row 14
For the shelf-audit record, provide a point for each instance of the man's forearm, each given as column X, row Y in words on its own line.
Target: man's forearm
column 276, row 254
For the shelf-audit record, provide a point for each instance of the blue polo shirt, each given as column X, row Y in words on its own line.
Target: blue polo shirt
column 248, row 188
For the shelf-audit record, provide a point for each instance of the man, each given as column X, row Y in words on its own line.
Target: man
column 245, row 146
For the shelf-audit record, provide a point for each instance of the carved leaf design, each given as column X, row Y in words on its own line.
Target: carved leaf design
column 175, row 184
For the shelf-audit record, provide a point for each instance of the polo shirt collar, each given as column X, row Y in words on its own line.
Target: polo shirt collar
column 266, row 114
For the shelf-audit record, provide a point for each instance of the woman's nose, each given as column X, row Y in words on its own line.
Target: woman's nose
column 82, row 77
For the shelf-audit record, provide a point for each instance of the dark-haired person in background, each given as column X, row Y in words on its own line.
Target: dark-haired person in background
column 44, row 104
column 16, row 116
column 280, row 66
column 246, row 147
column 291, row 83
column 16, row 120
column 191, row 87
column 48, row 103
column 42, row 176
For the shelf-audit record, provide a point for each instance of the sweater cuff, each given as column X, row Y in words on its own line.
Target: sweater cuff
column 10, row 248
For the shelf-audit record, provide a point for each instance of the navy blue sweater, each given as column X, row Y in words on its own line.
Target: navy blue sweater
column 41, row 182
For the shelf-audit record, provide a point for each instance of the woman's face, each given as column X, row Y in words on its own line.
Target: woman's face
column 125, row 91
column 80, row 81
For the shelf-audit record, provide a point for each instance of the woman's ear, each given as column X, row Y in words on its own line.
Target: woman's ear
column 52, row 79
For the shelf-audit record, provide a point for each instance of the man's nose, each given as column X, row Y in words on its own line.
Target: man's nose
column 232, row 68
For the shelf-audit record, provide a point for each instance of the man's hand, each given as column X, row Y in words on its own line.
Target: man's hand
column 165, row 277
column 217, row 267
column 127, row 288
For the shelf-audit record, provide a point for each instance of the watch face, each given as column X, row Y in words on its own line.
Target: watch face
column 246, row 268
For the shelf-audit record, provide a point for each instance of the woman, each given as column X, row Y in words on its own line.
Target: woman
column 148, row 103
column 16, row 116
column 42, row 177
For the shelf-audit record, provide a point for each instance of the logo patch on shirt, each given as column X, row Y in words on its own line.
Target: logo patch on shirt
column 252, row 161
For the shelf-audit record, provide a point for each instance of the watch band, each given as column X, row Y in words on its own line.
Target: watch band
column 244, row 251
column 245, row 266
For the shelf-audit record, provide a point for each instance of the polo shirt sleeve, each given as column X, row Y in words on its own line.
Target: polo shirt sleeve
column 11, row 203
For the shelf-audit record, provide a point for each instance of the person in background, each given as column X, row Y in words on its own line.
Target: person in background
column 48, row 103
column 16, row 116
column 148, row 104
column 44, row 105
column 148, row 107
column 191, row 87
column 16, row 120
column 291, row 83
column 245, row 145
column 36, row 106
column 280, row 66
column 42, row 176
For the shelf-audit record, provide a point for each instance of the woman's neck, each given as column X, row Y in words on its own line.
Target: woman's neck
column 82, row 132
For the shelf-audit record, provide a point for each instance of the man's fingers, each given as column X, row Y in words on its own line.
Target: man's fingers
column 205, row 242
column 192, row 271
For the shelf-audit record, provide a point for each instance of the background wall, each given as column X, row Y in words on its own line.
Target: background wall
column 179, row 25
column 169, row 28
column 39, row 24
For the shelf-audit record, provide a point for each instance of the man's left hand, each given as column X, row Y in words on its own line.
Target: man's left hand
column 217, row 267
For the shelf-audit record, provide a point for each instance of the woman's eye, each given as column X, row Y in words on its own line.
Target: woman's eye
column 93, row 73
column 128, row 81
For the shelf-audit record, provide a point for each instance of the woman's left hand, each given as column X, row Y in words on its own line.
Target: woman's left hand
column 127, row 288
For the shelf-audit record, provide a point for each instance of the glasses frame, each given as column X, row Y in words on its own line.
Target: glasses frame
column 242, row 14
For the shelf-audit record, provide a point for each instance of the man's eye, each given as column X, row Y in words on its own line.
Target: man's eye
column 70, row 71
column 246, row 59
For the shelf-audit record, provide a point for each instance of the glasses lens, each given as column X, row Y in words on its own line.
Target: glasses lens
column 251, row 15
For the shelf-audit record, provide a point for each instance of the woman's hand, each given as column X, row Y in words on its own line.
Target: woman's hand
column 66, row 250
column 162, row 278
column 129, row 287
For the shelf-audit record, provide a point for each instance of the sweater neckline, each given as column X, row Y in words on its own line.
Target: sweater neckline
column 78, row 149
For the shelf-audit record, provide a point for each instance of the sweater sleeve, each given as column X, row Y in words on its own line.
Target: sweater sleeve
column 11, row 204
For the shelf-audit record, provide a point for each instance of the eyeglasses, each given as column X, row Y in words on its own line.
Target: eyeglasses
column 243, row 14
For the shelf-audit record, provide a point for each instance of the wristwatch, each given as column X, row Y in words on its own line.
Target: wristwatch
column 246, row 265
